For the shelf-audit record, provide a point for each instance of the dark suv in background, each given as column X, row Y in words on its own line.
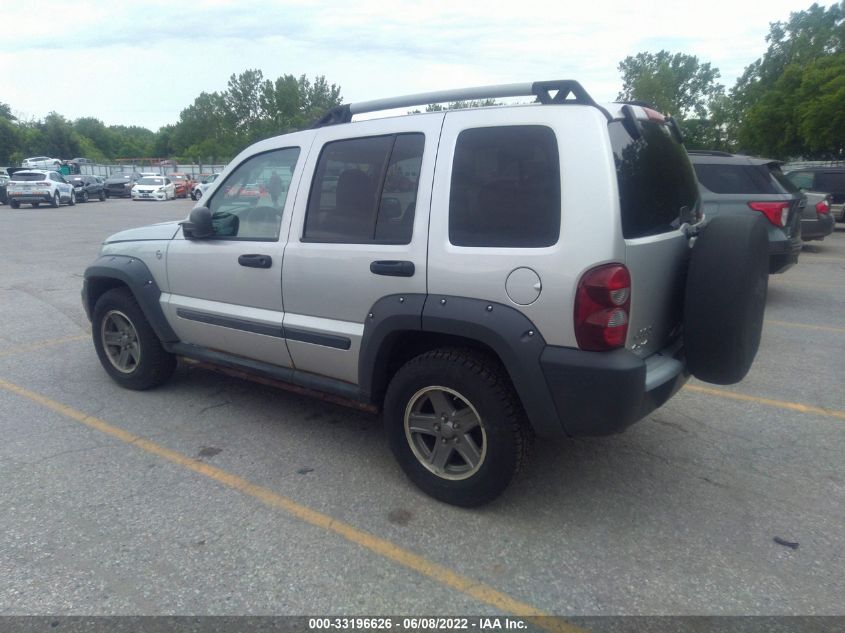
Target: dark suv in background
column 827, row 179
column 731, row 184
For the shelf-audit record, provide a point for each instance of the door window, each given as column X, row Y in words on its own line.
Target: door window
column 365, row 191
column 250, row 202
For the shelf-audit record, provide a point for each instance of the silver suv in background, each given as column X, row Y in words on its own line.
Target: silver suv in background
column 478, row 275
column 829, row 180
column 736, row 185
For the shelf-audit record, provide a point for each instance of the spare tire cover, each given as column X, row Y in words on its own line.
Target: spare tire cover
column 725, row 298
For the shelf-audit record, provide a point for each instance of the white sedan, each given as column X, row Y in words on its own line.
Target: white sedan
column 154, row 188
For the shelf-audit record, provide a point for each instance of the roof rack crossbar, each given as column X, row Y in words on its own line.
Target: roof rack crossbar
column 542, row 90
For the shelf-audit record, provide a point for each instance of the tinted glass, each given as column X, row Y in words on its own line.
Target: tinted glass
column 655, row 179
column 364, row 190
column 801, row 179
column 149, row 180
column 250, row 203
column 23, row 176
column 782, row 180
column 505, row 188
column 830, row 181
column 727, row 178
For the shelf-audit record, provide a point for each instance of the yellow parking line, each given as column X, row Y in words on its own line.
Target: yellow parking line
column 781, row 404
column 807, row 326
column 382, row 547
column 31, row 347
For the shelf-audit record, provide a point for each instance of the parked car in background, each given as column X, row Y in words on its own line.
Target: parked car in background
column 154, row 188
column 825, row 179
column 204, row 183
column 742, row 185
column 42, row 162
column 87, row 187
column 36, row 186
column 4, row 180
column 817, row 221
column 182, row 183
column 120, row 185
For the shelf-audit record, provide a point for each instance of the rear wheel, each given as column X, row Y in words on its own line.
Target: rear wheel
column 84, row 196
column 126, row 344
column 57, row 200
column 102, row 196
column 14, row 204
column 456, row 426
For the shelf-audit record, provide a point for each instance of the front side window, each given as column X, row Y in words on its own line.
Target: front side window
column 250, row 203
column 505, row 188
column 365, row 190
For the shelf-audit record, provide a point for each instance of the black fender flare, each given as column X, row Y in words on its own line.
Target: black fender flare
column 133, row 273
column 505, row 330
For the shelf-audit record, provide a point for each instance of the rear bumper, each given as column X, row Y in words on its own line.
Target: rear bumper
column 783, row 254
column 602, row 393
column 29, row 197
column 817, row 229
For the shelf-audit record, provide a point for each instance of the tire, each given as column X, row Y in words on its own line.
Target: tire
column 478, row 394
column 198, row 194
column 134, row 361
column 35, row 205
column 102, row 196
column 193, row 195
column 55, row 202
column 725, row 298
column 84, row 196
column 14, row 204
column 72, row 200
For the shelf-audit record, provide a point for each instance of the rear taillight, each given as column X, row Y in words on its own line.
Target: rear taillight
column 602, row 305
column 42, row 184
column 823, row 207
column 776, row 212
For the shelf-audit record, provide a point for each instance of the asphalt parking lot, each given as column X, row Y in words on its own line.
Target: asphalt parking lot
column 214, row 495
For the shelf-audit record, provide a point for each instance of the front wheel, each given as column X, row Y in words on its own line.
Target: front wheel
column 126, row 344
column 456, row 426
column 102, row 196
column 14, row 204
column 84, row 196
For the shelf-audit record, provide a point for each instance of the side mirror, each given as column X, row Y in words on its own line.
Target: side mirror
column 198, row 225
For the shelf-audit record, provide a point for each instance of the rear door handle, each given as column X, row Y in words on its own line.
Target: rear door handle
column 392, row 268
column 255, row 261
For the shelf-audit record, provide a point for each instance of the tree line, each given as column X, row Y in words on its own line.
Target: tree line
column 790, row 103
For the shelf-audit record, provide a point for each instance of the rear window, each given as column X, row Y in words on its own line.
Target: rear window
column 28, row 176
column 727, row 178
column 505, row 188
column 151, row 181
column 656, row 181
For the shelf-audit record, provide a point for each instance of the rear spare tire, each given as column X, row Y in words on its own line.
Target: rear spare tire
column 725, row 298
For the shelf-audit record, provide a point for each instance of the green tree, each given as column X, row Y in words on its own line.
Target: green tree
column 784, row 104
column 676, row 84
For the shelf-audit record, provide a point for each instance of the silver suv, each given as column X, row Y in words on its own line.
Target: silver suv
column 479, row 275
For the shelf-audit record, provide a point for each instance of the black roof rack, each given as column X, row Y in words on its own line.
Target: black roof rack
column 562, row 91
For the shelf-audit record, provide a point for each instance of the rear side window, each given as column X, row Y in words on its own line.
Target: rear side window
column 830, row 181
column 505, row 188
column 365, row 190
column 656, row 181
column 727, row 178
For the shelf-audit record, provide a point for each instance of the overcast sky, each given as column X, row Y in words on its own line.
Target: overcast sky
column 141, row 63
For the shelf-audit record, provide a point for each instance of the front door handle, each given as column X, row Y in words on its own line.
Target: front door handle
column 392, row 268
column 255, row 261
